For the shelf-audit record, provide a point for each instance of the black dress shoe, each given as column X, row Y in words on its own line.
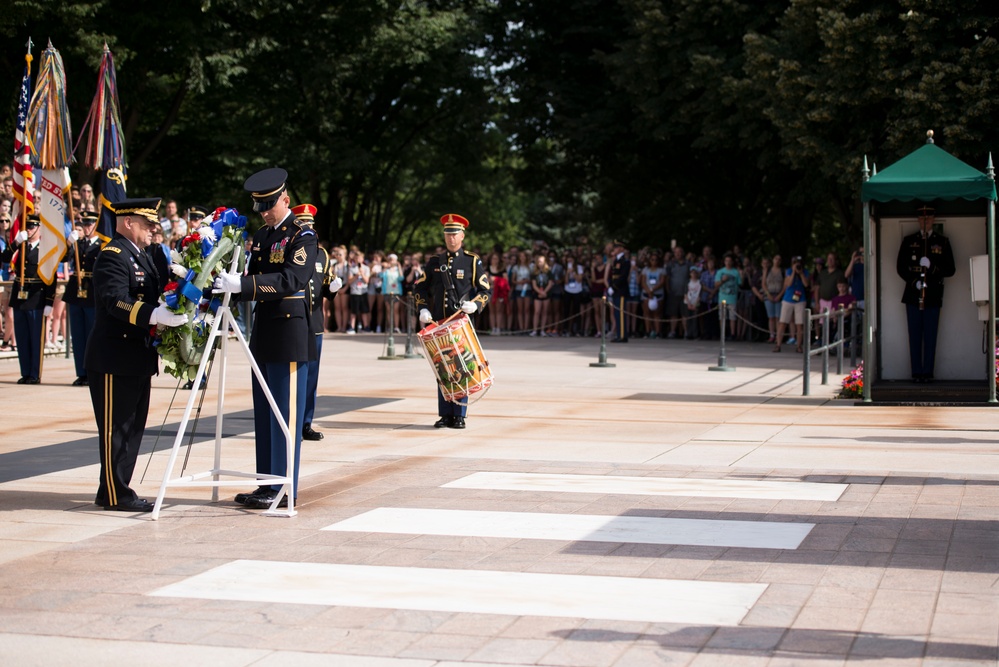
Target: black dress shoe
column 619, row 340
column 443, row 422
column 457, row 422
column 32, row 381
column 264, row 502
column 308, row 433
column 23, row 380
column 241, row 498
column 80, row 382
column 136, row 505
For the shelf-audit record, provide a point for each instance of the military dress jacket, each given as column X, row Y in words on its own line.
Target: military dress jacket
column 282, row 262
column 466, row 272
column 618, row 280
column 319, row 288
column 126, row 291
column 88, row 250
column 937, row 249
column 37, row 294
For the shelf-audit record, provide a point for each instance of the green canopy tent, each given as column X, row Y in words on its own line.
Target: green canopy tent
column 927, row 174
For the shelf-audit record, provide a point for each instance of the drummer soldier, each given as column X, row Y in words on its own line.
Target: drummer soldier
column 282, row 262
column 452, row 281
column 924, row 260
column 84, row 247
column 323, row 284
column 30, row 298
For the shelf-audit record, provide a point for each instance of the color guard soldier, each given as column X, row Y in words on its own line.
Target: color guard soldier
column 30, row 298
column 323, row 284
column 84, row 246
column 120, row 358
column 452, row 281
column 924, row 260
column 617, row 290
column 282, row 261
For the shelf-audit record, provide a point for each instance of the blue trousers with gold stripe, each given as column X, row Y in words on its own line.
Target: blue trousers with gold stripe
column 446, row 408
column 28, row 331
column 121, row 403
column 313, row 384
column 81, row 323
column 619, row 315
column 287, row 382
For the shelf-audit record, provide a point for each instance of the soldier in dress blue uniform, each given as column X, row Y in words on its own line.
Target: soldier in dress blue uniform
column 324, row 284
column 30, row 298
column 282, row 261
column 452, row 281
column 617, row 290
column 84, row 246
column 924, row 260
column 120, row 358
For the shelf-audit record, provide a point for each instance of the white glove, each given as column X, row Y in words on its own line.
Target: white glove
column 924, row 262
column 610, row 291
column 336, row 284
column 425, row 316
column 469, row 307
column 166, row 317
column 919, row 284
column 47, row 312
column 74, row 236
column 20, row 237
column 228, row 282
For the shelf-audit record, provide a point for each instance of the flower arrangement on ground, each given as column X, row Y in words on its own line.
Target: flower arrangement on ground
column 204, row 254
column 853, row 384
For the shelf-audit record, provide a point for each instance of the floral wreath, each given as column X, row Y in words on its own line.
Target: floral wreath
column 204, row 254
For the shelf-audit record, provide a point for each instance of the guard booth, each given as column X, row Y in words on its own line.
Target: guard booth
column 964, row 201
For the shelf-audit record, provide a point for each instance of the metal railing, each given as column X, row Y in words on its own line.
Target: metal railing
column 824, row 349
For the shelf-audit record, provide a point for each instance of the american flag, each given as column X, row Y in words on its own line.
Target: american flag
column 24, row 198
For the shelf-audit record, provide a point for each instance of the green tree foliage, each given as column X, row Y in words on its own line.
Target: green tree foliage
column 703, row 121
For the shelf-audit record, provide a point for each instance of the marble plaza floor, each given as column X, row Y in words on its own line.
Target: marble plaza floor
column 653, row 513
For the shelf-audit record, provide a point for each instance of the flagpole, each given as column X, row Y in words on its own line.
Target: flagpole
column 24, row 202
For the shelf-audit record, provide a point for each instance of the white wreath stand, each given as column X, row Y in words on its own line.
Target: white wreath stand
column 220, row 327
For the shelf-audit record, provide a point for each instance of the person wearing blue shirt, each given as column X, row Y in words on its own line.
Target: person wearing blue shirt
column 727, row 279
column 797, row 281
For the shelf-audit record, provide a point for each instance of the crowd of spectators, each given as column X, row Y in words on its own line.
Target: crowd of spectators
column 542, row 291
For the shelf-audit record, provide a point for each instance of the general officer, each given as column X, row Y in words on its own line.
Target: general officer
column 924, row 260
column 84, row 246
column 323, row 284
column 120, row 358
column 617, row 290
column 282, row 261
column 31, row 300
column 452, row 281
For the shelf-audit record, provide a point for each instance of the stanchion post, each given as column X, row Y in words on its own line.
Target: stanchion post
column 826, row 323
column 841, row 329
column 390, row 354
column 723, row 315
column 410, row 308
column 807, row 362
column 602, row 357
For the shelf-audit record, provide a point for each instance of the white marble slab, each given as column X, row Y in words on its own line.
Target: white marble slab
column 578, row 527
column 483, row 592
column 650, row 486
